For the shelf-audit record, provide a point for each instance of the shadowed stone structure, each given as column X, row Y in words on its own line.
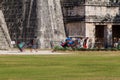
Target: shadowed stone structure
column 5, row 41
column 96, row 19
column 50, row 22
column 28, row 18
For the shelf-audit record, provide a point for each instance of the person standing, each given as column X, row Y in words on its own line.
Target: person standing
column 85, row 43
column 34, row 44
column 115, row 43
column 118, row 44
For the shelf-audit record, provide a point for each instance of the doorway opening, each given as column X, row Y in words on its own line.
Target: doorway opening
column 99, row 36
column 115, row 33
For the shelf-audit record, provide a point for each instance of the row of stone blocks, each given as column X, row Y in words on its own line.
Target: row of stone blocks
column 3, row 41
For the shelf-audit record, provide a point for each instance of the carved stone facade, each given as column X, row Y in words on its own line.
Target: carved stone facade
column 96, row 19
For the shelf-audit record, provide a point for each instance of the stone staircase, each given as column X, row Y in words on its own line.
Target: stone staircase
column 4, row 44
column 5, row 41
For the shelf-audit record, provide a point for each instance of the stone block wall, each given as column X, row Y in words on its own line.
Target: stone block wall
column 20, row 16
column 75, row 29
column 28, row 18
column 13, row 16
column 50, row 22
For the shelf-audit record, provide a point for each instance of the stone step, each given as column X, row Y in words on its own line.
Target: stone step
column 2, row 40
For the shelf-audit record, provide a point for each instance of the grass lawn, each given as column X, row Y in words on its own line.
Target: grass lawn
column 76, row 66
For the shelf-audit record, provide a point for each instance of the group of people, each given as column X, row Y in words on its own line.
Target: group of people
column 88, row 43
column 78, row 42
column 82, row 42
column 116, row 43
column 32, row 44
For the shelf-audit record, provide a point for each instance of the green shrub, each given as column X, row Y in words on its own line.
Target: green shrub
column 56, row 48
column 60, row 48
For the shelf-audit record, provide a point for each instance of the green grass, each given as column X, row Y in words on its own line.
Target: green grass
column 76, row 66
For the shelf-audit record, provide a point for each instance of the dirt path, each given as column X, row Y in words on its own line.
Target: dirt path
column 27, row 52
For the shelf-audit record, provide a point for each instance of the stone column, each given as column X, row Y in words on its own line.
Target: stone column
column 108, row 36
column 90, row 32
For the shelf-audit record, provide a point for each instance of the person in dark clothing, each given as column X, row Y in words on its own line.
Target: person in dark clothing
column 34, row 44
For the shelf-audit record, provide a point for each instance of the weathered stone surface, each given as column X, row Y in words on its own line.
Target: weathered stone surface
column 50, row 22
column 5, row 40
column 28, row 18
column 96, row 19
